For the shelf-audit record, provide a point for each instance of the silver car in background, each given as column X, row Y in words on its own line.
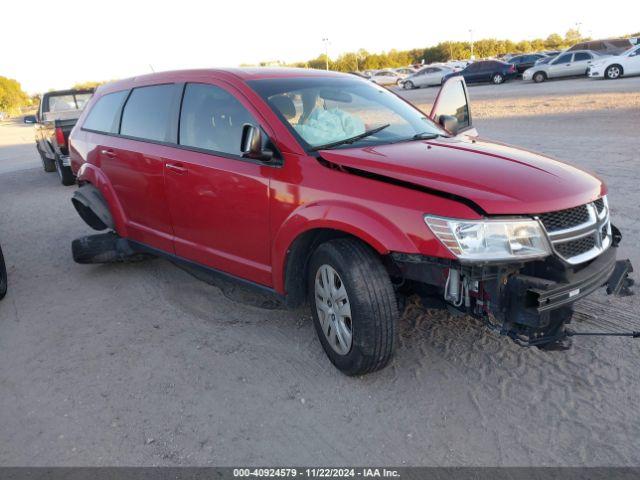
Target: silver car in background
column 428, row 76
column 566, row 64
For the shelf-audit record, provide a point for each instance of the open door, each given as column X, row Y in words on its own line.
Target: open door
column 451, row 109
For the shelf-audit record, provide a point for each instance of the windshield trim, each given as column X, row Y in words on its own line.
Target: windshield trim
column 313, row 151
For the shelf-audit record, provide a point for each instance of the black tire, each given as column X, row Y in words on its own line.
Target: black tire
column 408, row 85
column 64, row 173
column 539, row 77
column 47, row 164
column 105, row 248
column 497, row 79
column 3, row 276
column 372, row 300
column 613, row 72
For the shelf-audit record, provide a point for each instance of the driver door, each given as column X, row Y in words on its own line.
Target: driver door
column 561, row 67
column 451, row 108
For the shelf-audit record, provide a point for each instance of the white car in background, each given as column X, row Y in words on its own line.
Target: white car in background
column 386, row 77
column 566, row 64
column 625, row 64
column 428, row 76
column 404, row 72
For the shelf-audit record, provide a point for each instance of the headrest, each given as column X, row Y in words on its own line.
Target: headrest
column 285, row 105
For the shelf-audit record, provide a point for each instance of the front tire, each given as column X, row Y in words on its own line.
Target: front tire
column 64, row 173
column 3, row 276
column 497, row 79
column 408, row 85
column 539, row 77
column 613, row 72
column 353, row 305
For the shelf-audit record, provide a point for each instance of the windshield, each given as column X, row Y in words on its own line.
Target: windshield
column 324, row 112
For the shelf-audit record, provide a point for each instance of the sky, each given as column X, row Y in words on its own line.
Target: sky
column 53, row 45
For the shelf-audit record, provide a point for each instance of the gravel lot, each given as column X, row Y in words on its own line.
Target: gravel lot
column 143, row 364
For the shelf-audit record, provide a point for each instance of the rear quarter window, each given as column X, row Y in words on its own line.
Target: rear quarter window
column 103, row 116
column 148, row 113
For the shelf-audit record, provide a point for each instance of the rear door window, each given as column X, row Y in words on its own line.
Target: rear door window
column 103, row 116
column 212, row 119
column 148, row 113
column 581, row 56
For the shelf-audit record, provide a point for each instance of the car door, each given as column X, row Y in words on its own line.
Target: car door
column 472, row 73
column 631, row 64
column 561, row 66
column 580, row 63
column 434, row 77
column 424, row 77
column 134, row 162
column 219, row 201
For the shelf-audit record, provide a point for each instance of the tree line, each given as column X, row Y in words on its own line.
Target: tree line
column 442, row 52
column 12, row 97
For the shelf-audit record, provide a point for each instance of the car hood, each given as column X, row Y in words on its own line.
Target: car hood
column 499, row 179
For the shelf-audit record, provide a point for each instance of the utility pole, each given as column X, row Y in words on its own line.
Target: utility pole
column 326, row 52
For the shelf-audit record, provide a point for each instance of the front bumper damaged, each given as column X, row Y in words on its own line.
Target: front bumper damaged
column 529, row 302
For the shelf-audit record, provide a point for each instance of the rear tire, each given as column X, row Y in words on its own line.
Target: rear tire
column 539, row 77
column 3, row 276
column 497, row 79
column 408, row 85
column 613, row 72
column 47, row 164
column 64, row 173
column 357, row 303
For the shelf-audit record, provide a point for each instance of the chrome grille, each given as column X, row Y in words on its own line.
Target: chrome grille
column 576, row 247
column 562, row 219
column 579, row 234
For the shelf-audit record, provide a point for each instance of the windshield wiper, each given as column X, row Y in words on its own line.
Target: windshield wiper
column 425, row 136
column 351, row 139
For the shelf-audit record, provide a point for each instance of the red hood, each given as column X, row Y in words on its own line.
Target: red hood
column 499, row 178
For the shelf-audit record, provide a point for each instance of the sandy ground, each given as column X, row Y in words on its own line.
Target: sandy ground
column 145, row 365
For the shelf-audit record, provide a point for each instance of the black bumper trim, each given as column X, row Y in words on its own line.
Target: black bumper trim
column 549, row 295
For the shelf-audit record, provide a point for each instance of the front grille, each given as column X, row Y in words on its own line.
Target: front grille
column 599, row 203
column 573, row 248
column 564, row 219
column 578, row 234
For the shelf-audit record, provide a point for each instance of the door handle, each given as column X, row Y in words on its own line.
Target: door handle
column 179, row 169
column 108, row 152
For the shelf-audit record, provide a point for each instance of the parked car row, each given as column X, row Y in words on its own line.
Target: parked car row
column 536, row 67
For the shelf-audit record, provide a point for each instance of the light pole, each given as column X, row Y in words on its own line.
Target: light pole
column 471, row 36
column 326, row 52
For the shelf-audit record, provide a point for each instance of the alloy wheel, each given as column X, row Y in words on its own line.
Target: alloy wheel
column 334, row 309
column 613, row 72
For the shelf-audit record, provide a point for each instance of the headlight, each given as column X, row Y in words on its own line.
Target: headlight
column 491, row 240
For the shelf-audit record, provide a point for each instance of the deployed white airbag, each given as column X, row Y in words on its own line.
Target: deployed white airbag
column 327, row 126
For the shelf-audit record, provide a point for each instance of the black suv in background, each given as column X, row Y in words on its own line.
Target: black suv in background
column 522, row 62
column 493, row 71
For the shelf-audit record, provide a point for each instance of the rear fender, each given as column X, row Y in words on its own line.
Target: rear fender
column 89, row 173
column 363, row 223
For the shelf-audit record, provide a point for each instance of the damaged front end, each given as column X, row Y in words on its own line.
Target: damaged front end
column 529, row 301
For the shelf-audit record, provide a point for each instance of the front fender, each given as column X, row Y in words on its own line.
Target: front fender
column 89, row 173
column 361, row 222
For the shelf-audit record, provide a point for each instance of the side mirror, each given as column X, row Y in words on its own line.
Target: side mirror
column 449, row 123
column 251, row 144
column 30, row 119
column 451, row 108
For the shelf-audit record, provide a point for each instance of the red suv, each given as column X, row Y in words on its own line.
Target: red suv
column 327, row 188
